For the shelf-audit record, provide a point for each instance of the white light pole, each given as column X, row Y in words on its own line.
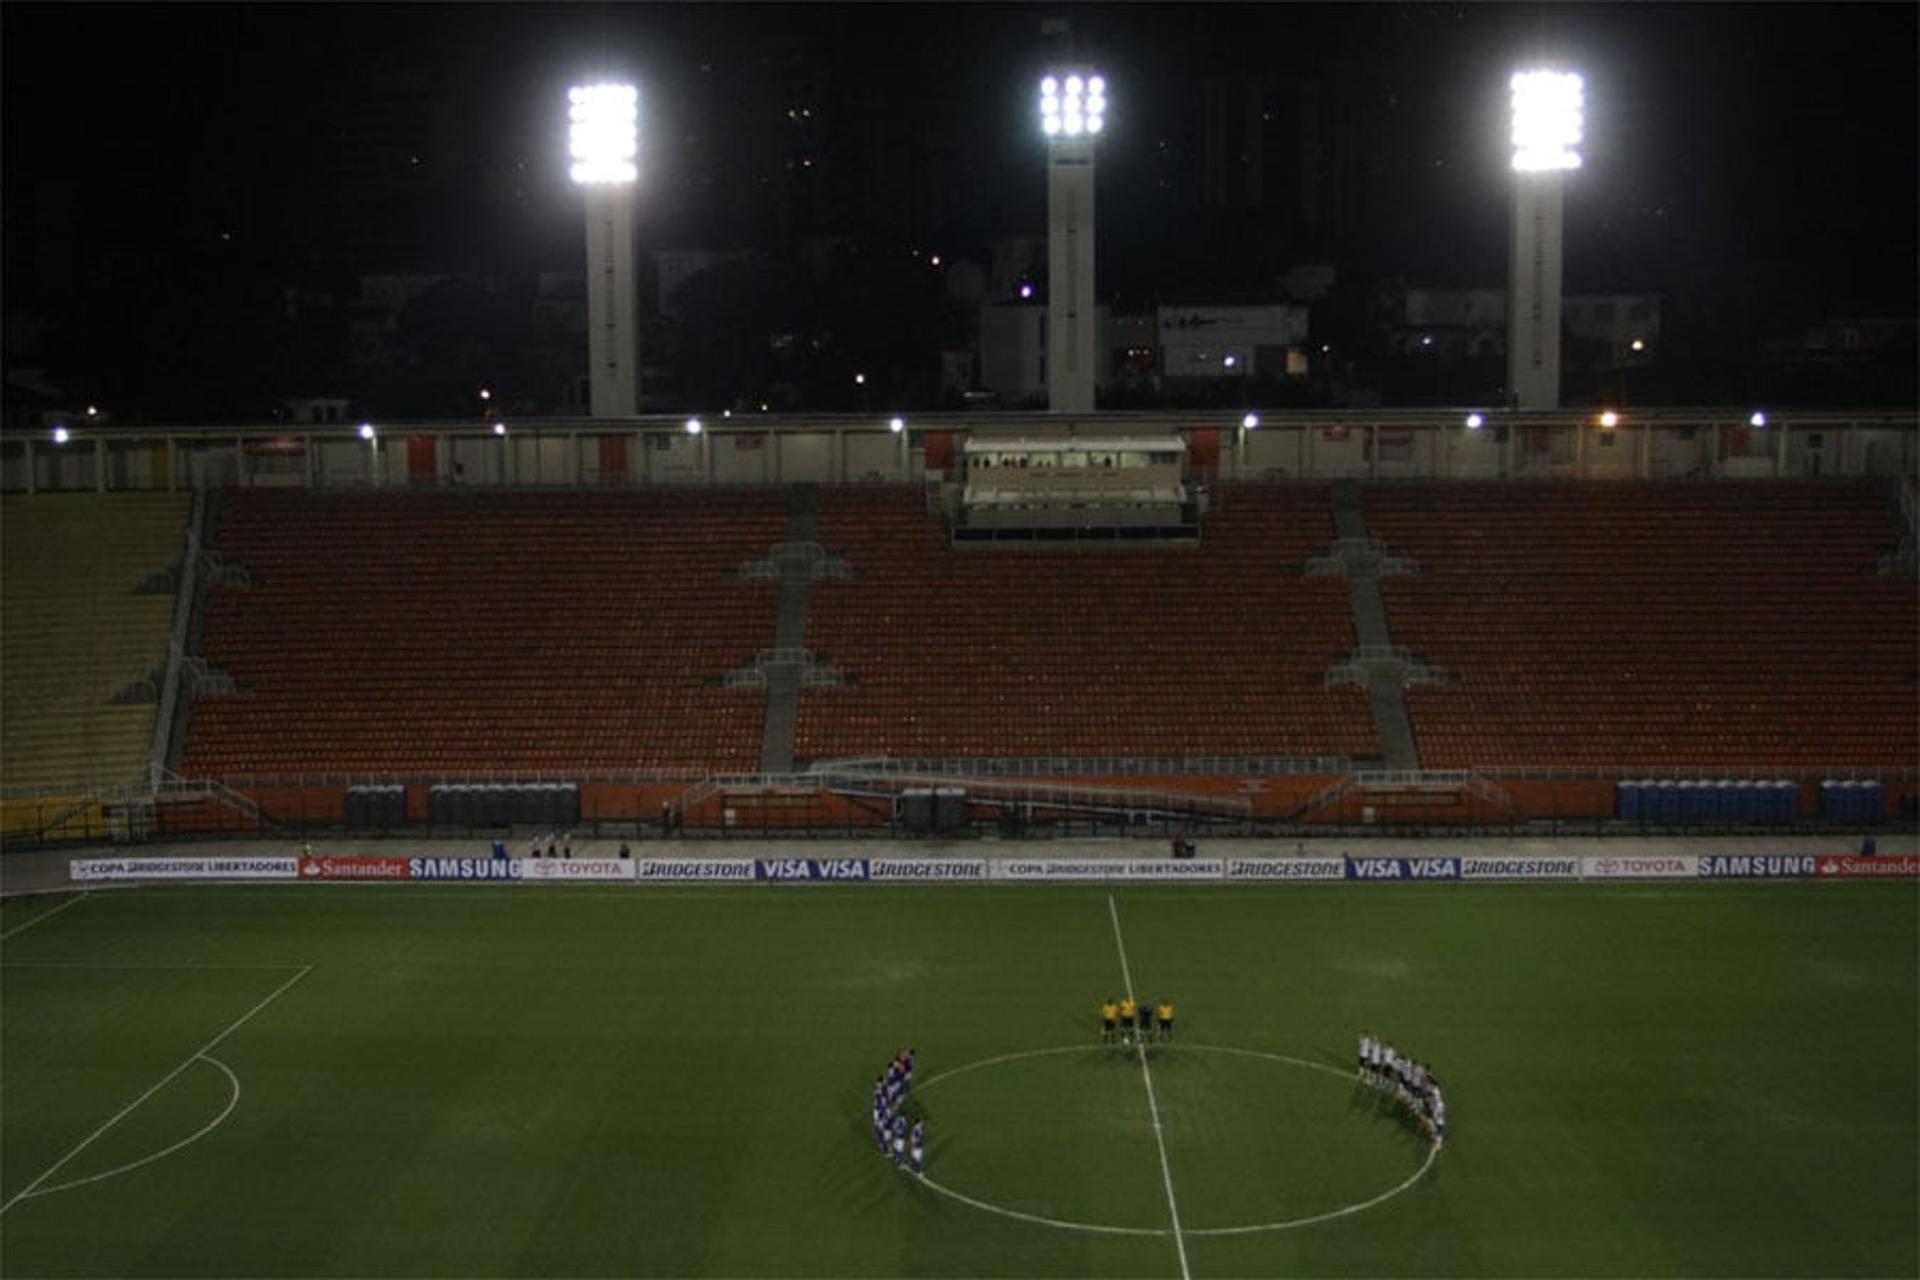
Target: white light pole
column 603, row 140
column 1073, row 113
column 1548, row 118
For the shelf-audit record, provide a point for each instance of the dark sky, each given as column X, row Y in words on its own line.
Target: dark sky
column 1724, row 140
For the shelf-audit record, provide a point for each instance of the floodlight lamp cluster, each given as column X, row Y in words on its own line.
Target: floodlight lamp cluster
column 1073, row 106
column 603, row 136
column 1549, row 115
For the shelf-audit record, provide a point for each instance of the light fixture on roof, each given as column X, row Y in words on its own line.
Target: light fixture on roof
column 366, row 431
column 693, row 426
column 896, row 425
column 60, row 435
column 603, row 133
column 1608, row 418
column 1475, row 422
column 1549, row 120
column 1757, row 419
column 499, row 428
column 1251, row 421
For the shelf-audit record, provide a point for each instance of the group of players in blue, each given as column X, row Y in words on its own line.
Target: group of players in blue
column 906, row 1144
column 1409, row 1082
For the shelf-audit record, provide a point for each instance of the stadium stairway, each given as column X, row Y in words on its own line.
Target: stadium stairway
column 1384, row 692
column 790, row 634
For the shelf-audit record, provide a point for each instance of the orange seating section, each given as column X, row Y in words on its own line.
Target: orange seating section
column 1628, row 625
column 519, row 631
column 1215, row 651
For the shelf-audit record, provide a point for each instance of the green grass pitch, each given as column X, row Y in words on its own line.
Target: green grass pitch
column 1700, row 1079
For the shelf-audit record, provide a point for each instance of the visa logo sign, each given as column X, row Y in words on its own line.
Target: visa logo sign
column 811, row 869
column 1373, row 868
column 1403, row 868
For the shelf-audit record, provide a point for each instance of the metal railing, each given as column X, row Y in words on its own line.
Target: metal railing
column 183, row 600
column 1103, row 766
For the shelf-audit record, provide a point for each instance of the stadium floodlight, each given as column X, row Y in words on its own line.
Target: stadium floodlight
column 60, row 435
column 1638, row 344
column 485, row 394
column 93, row 411
column 1073, row 106
column 693, row 426
column 499, row 428
column 1073, row 115
column 603, row 141
column 1549, row 120
column 1758, row 419
column 1026, row 291
column 1475, row 422
column 1251, row 422
column 1608, row 418
column 366, row 431
column 859, row 379
column 603, row 135
column 896, row 425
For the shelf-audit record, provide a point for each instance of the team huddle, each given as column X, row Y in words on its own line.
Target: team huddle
column 1133, row 1022
column 1412, row 1084
column 891, row 1132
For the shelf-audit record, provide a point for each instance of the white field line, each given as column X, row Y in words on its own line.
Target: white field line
column 157, row 1085
column 142, row 965
column 22, row 928
column 233, row 1100
column 1153, row 1106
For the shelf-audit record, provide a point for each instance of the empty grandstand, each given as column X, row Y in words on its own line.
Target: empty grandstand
column 524, row 632
column 86, row 596
column 1213, row 651
column 1631, row 626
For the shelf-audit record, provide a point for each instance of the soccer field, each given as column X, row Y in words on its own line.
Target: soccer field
column 1697, row 1079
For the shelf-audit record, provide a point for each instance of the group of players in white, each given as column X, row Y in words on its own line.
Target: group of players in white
column 895, row 1137
column 1412, row 1084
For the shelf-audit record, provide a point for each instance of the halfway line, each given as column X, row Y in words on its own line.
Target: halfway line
column 1153, row 1106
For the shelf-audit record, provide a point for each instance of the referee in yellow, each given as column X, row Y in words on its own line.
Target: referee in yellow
column 1126, row 1017
column 1108, row 1012
column 1165, row 1014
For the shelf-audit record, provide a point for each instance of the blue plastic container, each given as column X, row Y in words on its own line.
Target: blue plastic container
column 1627, row 800
column 1873, row 803
column 1669, row 793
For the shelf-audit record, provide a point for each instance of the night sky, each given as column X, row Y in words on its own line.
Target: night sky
column 152, row 152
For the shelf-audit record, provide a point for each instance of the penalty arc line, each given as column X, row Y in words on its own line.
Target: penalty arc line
column 233, row 1100
column 22, row 928
column 157, row 1085
column 1153, row 1105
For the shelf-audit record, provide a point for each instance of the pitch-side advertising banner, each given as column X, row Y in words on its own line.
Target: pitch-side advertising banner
column 1720, row 866
column 1403, row 868
column 353, row 868
column 183, row 868
column 1286, row 869
column 927, row 869
column 1484, row 867
column 1901, row 867
column 577, row 870
column 1108, row 869
column 1646, row 866
column 697, row 870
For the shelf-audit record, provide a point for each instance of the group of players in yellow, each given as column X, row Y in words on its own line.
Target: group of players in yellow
column 1129, row 1021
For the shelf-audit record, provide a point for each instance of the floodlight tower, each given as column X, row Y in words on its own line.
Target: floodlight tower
column 1073, row 112
column 1548, row 113
column 603, row 140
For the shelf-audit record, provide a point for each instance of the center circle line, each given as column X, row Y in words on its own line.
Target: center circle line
column 1064, row 1224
